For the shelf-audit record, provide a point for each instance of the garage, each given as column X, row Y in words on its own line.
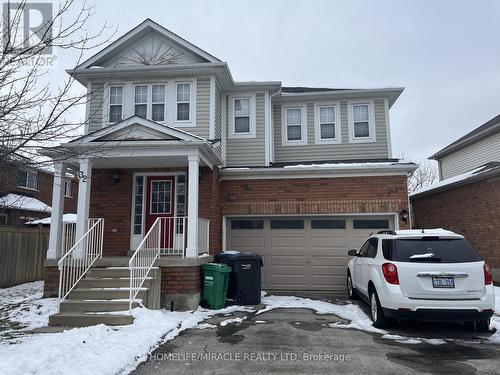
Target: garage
column 303, row 253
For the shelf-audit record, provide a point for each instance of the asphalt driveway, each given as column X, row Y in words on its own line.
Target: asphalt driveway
column 299, row 341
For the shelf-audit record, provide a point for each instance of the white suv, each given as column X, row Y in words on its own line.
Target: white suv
column 430, row 274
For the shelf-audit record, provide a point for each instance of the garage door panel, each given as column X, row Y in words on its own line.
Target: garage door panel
column 303, row 259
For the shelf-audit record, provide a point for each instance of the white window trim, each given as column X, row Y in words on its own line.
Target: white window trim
column 108, row 100
column 252, row 133
column 191, row 100
column 317, row 125
column 149, row 100
column 66, row 182
column 303, row 116
column 172, row 199
column 371, row 122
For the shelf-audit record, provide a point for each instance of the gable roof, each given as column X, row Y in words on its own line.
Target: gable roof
column 138, row 128
column 135, row 34
column 489, row 127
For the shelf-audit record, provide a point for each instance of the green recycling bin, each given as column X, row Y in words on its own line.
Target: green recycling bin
column 215, row 281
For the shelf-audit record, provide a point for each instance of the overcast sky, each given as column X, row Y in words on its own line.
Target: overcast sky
column 445, row 53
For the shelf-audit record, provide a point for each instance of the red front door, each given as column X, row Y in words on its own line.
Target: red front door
column 160, row 203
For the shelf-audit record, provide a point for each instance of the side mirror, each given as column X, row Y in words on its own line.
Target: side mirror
column 352, row 253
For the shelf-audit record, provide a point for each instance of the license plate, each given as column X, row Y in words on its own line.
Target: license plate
column 443, row 282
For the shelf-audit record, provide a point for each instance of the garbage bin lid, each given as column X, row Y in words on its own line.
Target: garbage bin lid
column 218, row 267
column 230, row 252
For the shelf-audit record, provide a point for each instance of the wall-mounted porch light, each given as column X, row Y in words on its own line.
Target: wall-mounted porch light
column 403, row 216
column 116, row 176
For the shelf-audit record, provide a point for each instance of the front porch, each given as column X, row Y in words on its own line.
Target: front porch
column 144, row 204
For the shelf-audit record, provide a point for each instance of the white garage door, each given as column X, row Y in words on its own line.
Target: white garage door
column 303, row 253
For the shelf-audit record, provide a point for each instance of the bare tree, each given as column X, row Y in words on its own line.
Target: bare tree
column 34, row 112
column 425, row 175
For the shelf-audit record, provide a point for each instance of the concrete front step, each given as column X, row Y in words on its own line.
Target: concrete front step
column 108, row 272
column 75, row 319
column 109, row 282
column 80, row 306
column 105, row 293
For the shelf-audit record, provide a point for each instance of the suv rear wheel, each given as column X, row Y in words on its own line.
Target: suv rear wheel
column 351, row 292
column 378, row 317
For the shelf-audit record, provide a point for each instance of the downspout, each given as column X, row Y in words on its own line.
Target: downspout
column 271, row 127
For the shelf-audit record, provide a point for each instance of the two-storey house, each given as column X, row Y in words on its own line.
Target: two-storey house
column 176, row 148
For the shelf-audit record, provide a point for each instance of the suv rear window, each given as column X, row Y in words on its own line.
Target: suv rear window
column 429, row 250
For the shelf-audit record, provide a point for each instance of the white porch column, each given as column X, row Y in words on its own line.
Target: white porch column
column 56, row 218
column 84, row 184
column 193, row 191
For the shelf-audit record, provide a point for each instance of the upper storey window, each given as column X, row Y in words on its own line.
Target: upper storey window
column 27, row 179
column 327, row 123
column 115, row 103
column 294, row 126
column 242, row 116
column 149, row 101
column 183, row 108
column 361, row 122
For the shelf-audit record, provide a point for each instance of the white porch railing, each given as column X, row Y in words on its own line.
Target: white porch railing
column 144, row 258
column 80, row 257
column 68, row 236
column 173, row 234
column 203, row 235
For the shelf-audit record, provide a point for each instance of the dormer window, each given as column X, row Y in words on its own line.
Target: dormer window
column 183, row 102
column 115, row 103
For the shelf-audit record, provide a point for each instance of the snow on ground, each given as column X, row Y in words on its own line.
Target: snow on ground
column 495, row 320
column 22, row 307
column 118, row 350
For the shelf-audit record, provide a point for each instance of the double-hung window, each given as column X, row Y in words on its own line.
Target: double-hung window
column 294, row 128
column 67, row 188
column 326, row 117
column 141, row 101
column 183, row 102
column 158, row 102
column 27, row 179
column 115, row 103
column 361, row 122
column 242, row 115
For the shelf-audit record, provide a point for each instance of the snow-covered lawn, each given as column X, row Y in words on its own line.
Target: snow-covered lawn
column 118, row 350
column 22, row 307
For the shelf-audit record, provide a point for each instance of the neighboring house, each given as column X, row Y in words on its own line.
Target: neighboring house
column 467, row 197
column 296, row 174
column 26, row 194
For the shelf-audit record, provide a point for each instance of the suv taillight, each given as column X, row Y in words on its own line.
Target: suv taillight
column 390, row 272
column 487, row 274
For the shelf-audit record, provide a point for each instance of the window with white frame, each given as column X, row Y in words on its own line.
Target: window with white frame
column 141, row 101
column 361, row 121
column 158, row 102
column 27, row 179
column 326, row 124
column 241, row 115
column 183, row 102
column 67, row 188
column 115, row 103
column 294, row 125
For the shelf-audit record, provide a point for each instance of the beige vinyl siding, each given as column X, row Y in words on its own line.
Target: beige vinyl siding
column 342, row 151
column 248, row 151
column 473, row 156
column 96, row 96
column 202, row 109
column 218, row 118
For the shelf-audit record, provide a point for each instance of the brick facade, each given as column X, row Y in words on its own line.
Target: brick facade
column 8, row 184
column 51, row 281
column 377, row 194
column 472, row 210
column 210, row 206
column 180, row 280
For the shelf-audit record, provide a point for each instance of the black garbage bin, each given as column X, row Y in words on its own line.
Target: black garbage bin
column 244, row 280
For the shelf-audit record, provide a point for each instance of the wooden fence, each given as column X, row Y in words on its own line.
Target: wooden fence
column 22, row 253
